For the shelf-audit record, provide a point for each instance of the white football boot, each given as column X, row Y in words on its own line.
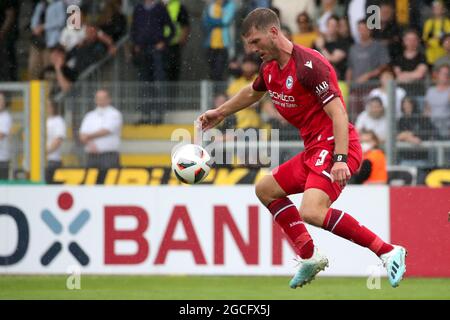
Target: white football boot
column 395, row 263
column 308, row 268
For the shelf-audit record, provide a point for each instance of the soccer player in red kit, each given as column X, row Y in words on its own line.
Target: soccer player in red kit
column 303, row 87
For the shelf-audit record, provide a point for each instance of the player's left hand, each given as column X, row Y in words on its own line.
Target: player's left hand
column 340, row 173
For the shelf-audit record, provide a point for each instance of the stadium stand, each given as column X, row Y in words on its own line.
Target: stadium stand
column 153, row 110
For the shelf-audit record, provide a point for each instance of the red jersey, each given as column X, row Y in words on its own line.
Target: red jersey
column 300, row 90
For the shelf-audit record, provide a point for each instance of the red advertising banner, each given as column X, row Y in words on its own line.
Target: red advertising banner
column 420, row 222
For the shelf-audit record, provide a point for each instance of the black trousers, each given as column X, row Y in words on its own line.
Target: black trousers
column 103, row 160
column 173, row 62
column 4, row 170
column 218, row 63
column 52, row 165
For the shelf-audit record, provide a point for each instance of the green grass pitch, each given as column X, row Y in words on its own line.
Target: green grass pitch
column 214, row 287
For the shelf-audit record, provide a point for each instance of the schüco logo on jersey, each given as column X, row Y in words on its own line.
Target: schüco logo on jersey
column 281, row 96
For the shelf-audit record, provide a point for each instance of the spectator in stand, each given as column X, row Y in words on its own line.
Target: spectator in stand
column 72, row 37
column 94, row 46
column 333, row 48
column 112, row 21
column 383, row 91
column 85, row 45
column 100, row 133
column 39, row 55
column 249, row 69
column 344, row 32
column 433, row 29
column 180, row 18
column 235, row 65
column 5, row 131
column 373, row 118
column 149, row 40
column 328, row 9
column 413, row 126
column 56, row 133
column 367, row 58
column 373, row 167
column 437, row 101
column 445, row 59
column 9, row 33
column 355, row 11
column 411, row 65
column 407, row 14
column 249, row 117
column 389, row 33
column 217, row 19
column 59, row 74
column 290, row 10
column 306, row 34
column 55, row 21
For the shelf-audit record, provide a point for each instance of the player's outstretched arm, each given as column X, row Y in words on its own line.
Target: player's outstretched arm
column 245, row 98
column 336, row 111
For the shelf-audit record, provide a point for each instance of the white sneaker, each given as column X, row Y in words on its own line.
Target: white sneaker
column 395, row 263
column 308, row 268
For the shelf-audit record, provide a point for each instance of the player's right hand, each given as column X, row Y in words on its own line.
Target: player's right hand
column 210, row 119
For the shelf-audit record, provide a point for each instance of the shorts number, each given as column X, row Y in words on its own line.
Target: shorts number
column 322, row 156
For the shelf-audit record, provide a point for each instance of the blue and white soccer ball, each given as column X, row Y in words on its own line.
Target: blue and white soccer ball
column 190, row 163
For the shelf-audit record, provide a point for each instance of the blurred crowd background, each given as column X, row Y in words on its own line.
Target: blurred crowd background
column 135, row 70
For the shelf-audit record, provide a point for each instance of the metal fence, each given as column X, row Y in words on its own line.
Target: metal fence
column 17, row 99
column 177, row 104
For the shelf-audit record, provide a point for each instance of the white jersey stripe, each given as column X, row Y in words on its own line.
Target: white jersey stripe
column 340, row 217
column 328, row 99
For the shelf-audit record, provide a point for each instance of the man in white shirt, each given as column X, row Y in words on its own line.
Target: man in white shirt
column 56, row 133
column 374, row 119
column 382, row 92
column 5, row 130
column 100, row 133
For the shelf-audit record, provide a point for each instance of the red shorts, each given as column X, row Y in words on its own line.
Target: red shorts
column 311, row 169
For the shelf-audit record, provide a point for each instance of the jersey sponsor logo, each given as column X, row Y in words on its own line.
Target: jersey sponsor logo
column 309, row 64
column 281, row 96
column 289, row 82
column 322, row 88
column 282, row 100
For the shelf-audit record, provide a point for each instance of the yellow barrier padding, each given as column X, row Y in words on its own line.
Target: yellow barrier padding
column 154, row 132
column 35, row 131
column 145, row 160
column 438, row 178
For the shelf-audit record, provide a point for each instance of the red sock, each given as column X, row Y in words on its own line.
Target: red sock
column 287, row 216
column 345, row 226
